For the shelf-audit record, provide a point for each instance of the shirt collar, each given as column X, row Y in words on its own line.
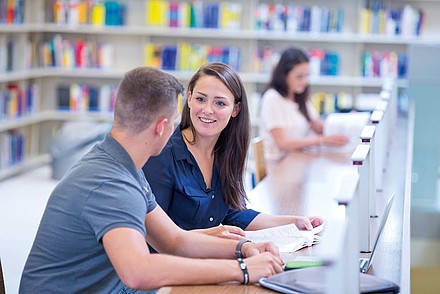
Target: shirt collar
column 180, row 149
column 119, row 154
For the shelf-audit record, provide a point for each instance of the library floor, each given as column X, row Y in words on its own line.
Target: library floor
column 22, row 202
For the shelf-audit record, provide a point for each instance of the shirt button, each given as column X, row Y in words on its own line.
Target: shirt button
column 211, row 219
column 213, row 196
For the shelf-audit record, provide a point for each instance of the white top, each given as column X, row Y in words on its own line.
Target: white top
column 280, row 112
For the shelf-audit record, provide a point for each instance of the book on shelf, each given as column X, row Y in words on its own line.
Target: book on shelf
column 12, row 148
column 299, row 18
column 184, row 56
column 79, row 97
column 288, row 238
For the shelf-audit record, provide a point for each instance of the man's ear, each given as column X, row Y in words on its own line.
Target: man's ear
column 236, row 110
column 160, row 126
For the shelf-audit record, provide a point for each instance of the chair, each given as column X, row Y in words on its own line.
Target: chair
column 259, row 161
column 2, row 283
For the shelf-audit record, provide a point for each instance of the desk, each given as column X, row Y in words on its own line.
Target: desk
column 305, row 184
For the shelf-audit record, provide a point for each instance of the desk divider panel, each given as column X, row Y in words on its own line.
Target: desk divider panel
column 390, row 86
column 339, row 247
column 380, row 147
column 367, row 137
column 361, row 159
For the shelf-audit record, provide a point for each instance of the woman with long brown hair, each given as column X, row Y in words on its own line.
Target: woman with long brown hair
column 288, row 120
column 198, row 177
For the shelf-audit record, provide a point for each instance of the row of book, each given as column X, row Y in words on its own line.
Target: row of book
column 15, row 55
column 81, row 12
column 384, row 64
column 80, row 97
column 187, row 57
column 12, row 144
column 16, row 101
column 194, row 14
column 406, row 21
column 327, row 102
column 299, row 18
column 11, row 11
column 79, row 53
column 6, row 54
column 322, row 62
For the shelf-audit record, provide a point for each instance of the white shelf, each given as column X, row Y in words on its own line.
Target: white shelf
column 76, row 116
column 19, row 122
column 206, row 33
column 17, row 75
column 247, row 77
column 54, row 115
column 25, row 165
column 15, row 28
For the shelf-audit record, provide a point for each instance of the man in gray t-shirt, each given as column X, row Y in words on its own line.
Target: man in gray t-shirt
column 92, row 237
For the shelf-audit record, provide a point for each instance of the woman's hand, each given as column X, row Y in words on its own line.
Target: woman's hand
column 334, row 140
column 308, row 223
column 227, row 232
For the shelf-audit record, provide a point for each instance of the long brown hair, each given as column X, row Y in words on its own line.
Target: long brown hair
column 289, row 59
column 232, row 146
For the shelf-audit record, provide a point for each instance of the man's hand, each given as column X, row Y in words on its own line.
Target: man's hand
column 251, row 249
column 263, row 265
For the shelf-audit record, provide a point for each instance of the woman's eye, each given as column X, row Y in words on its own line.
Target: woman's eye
column 221, row 103
column 200, row 99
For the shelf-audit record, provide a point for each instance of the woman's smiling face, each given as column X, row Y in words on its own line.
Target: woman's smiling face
column 211, row 106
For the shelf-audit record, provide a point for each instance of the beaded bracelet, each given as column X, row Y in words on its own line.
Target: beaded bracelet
column 243, row 268
column 240, row 243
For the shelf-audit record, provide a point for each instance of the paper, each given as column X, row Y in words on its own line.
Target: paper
column 347, row 124
column 287, row 237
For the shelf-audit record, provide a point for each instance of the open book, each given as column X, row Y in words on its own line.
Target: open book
column 287, row 237
column 347, row 124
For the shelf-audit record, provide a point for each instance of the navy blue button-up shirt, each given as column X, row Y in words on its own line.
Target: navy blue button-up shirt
column 179, row 187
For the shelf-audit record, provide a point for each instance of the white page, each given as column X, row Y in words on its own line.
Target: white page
column 287, row 237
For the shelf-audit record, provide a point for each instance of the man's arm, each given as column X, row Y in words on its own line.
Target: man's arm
column 189, row 243
column 138, row 269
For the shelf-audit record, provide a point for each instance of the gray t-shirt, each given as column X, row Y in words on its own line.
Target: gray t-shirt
column 101, row 192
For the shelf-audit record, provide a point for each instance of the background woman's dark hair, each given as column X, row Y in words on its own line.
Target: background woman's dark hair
column 289, row 59
column 232, row 146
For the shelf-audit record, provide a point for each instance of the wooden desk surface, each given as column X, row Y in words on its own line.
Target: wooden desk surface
column 306, row 184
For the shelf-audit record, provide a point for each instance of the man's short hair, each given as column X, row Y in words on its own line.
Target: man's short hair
column 144, row 94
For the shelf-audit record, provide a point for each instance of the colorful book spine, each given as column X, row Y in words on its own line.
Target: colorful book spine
column 230, row 15
column 298, row 18
column 80, row 97
column 12, row 144
column 173, row 15
column 186, row 57
column 80, row 53
column 98, row 14
column 157, row 13
column 17, row 101
column 327, row 102
column 384, row 64
column 405, row 21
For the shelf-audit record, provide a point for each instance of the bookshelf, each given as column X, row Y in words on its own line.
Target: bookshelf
column 127, row 50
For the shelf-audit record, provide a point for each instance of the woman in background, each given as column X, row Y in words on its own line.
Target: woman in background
column 198, row 178
column 288, row 121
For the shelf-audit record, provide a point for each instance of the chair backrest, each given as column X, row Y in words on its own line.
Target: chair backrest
column 258, row 154
column 2, row 283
